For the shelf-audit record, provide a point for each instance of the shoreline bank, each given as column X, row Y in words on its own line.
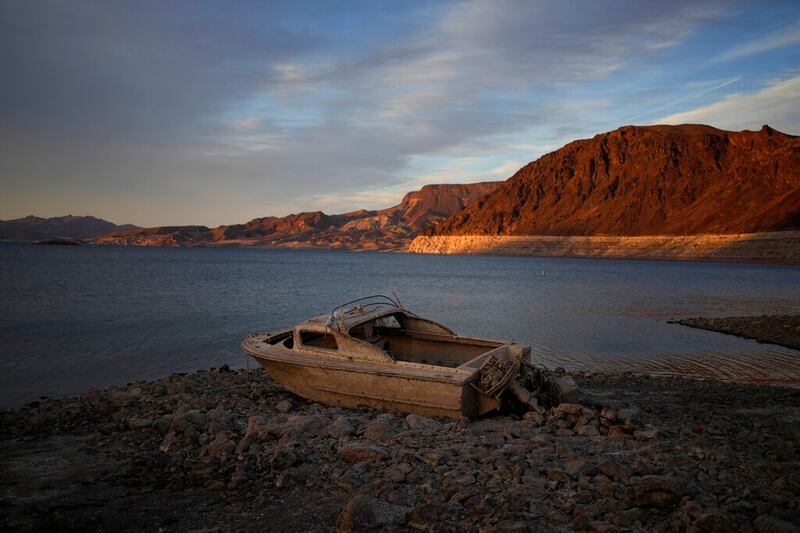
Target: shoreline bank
column 232, row 449
column 778, row 247
column 781, row 330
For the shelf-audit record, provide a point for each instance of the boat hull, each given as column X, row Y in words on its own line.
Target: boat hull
column 387, row 389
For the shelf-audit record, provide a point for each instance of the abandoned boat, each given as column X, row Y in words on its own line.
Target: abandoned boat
column 373, row 352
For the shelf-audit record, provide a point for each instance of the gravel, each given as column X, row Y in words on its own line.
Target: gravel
column 232, row 450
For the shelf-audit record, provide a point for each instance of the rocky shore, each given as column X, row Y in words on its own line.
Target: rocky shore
column 232, row 450
column 783, row 330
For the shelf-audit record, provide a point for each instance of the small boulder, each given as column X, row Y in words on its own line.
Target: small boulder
column 379, row 430
column 573, row 466
column 609, row 415
column 537, row 419
column 613, row 470
column 655, row 491
column 568, row 389
column 466, row 481
column 340, row 427
column 304, row 426
column 418, row 422
column 364, row 513
column 630, row 415
column 221, row 445
column 571, row 409
column 767, row 523
column 357, row 452
column 139, row 423
column 169, row 443
column 645, row 434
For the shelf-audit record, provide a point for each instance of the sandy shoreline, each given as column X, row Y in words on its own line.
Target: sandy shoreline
column 232, row 450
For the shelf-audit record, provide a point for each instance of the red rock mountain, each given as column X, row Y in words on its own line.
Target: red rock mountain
column 33, row 228
column 388, row 229
column 647, row 180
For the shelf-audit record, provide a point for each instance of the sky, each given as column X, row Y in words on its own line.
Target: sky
column 193, row 112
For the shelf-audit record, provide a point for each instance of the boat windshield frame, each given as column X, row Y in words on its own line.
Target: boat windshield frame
column 370, row 304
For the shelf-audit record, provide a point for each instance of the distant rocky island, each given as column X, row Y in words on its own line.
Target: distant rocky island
column 388, row 229
column 677, row 192
column 64, row 229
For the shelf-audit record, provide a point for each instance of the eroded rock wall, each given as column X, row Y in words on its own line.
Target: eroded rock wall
column 768, row 247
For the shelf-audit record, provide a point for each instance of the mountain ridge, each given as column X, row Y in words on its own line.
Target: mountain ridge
column 392, row 228
column 34, row 228
column 647, row 180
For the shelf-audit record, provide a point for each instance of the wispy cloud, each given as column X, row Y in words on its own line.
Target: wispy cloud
column 786, row 36
column 777, row 104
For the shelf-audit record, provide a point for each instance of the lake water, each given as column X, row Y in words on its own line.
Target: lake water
column 72, row 318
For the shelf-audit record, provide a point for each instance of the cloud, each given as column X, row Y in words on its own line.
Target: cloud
column 788, row 36
column 777, row 104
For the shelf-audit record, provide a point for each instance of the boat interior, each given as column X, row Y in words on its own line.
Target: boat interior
column 414, row 340
column 403, row 337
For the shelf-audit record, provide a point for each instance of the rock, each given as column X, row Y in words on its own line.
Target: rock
column 161, row 425
column 512, row 526
column 363, row 513
column 645, row 434
column 568, row 389
column 769, row 524
column 395, row 475
column 356, row 452
column 466, row 481
column 191, row 435
column 589, row 430
column 616, row 433
column 284, row 406
column 603, row 527
column 418, row 422
column 573, row 466
column 379, row 430
column 692, row 509
column 556, row 474
column 630, row 415
column 340, row 427
column 655, row 491
column 121, row 396
column 303, row 426
column 608, row 414
column 717, row 522
column 537, row 419
column 139, row 423
column 431, row 458
column 221, row 445
column 169, row 443
column 218, row 420
column 572, row 409
column 613, row 470
column 194, row 418
column 257, row 430
column 257, row 425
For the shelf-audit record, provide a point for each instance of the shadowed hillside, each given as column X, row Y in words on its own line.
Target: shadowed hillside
column 33, row 228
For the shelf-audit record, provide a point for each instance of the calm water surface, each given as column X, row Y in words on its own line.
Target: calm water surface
column 72, row 318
